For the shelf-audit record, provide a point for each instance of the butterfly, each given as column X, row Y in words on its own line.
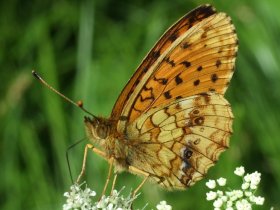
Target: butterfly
column 171, row 122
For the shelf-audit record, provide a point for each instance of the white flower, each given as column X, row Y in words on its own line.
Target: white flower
column 229, row 203
column 238, row 193
column 240, row 199
column 245, row 186
column 229, row 193
column 102, row 203
column 248, row 193
column 110, row 206
column 239, row 171
column 224, row 198
column 247, row 178
column 211, row 195
column 252, row 198
column 234, row 195
column 218, row 203
column 259, row 200
column 233, row 198
column 253, row 187
column 220, row 193
column 222, row 181
column 243, row 205
column 78, row 198
column 255, row 178
column 163, row 206
column 211, row 184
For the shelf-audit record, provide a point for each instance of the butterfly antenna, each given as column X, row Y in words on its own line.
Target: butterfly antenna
column 78, row 104
column 67, row 158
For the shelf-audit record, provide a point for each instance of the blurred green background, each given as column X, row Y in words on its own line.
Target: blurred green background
column 88, row 50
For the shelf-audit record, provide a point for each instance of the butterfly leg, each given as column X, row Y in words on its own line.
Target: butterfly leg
column 114, row 183
column 111, row 161
column 135, row 170
column 95, row 150
column 102, row 154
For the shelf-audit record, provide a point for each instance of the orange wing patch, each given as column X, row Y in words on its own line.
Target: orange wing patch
column 201, row 61
column 175, row 31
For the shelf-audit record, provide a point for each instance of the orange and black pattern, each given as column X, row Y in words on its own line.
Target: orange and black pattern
column 171, row 120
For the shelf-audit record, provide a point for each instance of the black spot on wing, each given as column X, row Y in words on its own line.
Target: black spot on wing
column 173, row 37
column 167, row 94
column 218, row 63
column 199, row 68
column 178, row 79
column 185, row 45
column 169, row 61
column 155, row 54
column 187, row 64
column 214, row 78
column 196, row 82
column 162, row 81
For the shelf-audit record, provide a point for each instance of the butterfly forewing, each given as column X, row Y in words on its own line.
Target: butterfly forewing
column 175, row 31
column 172, row 117
column 199, row 61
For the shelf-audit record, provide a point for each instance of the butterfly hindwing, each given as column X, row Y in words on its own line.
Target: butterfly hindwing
column 178, row 142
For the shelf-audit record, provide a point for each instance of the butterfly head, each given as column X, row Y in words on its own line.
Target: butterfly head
column 96, row 129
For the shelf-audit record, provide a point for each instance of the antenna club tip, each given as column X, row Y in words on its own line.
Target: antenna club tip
column 35, row 74
column 80, row 103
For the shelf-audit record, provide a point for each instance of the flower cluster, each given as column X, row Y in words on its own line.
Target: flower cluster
column 163, row 206
column 78, row 198
column 238, row 199
column 82, row 199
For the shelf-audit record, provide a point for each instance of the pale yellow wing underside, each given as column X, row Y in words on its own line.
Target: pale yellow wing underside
column 177, row 143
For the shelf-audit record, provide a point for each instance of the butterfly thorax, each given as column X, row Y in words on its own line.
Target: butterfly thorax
column 100, row 131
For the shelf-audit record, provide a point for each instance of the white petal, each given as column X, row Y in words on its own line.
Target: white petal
column 239, row 171
column 245, row 186
column 218, row 203
column 211, row 195
column 211, row 184
column 222, row 181
column 259, row 200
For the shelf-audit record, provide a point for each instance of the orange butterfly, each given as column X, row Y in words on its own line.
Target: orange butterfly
column 171, row 121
